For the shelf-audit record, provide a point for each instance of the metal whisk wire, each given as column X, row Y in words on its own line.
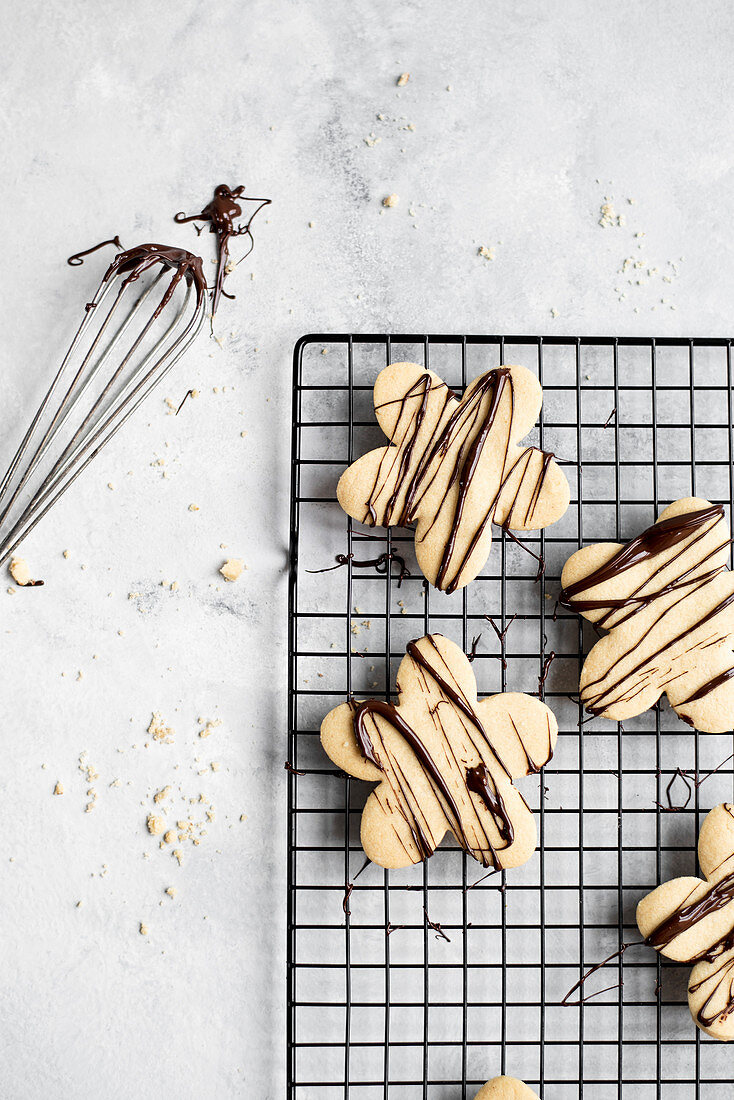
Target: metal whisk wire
column 115, row 360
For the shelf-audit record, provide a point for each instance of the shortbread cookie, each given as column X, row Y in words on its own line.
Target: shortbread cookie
column 444, row 762
column 667, row 600
column 505, row 1088
column 455, row 467
column 691, row 921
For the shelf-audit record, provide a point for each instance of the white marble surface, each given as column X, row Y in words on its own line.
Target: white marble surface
column 114, row 118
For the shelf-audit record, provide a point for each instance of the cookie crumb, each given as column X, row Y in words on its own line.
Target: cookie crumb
column 171, row 891
column 159, row 731
column 169, row 837
column 59, row 789
column 178, row 855
column 156, row 825
column 193, row 507
column 66, row 553
column 403, row 80
column 485, row 252
column 208, row 729
column 232, row 569
column 161, row 794
column 143, row 929
column 390, row 200
column 21, row 573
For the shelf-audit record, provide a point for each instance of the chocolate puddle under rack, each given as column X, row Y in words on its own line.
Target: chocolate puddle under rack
column 421, row 984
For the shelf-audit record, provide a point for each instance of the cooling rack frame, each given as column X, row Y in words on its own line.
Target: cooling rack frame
column 627, row 1040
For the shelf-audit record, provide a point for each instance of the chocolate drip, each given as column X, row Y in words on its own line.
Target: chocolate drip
column 221, row 213
column 380, row 565
column 78, row 258
column 479, row 780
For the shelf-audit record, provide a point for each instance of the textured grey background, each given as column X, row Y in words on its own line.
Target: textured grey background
column 114, row 117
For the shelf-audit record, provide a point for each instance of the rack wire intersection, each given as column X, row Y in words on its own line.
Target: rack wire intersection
column 421, row 984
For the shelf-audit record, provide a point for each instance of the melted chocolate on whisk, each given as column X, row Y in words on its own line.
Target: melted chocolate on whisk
column 78, row 258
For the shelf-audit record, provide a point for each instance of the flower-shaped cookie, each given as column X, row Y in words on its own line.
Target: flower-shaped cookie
column 505, row 1088
column 455, row 467
column 444, row 762
column 667, row 600
column 691, row 921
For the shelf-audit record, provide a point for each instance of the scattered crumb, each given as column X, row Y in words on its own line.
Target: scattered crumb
column 485, row 252
column 215, row 765
column 156, row 825
column 20, row 572
column 554, row 312
column 59, row 789
column 390, row 200
column 311, row 225
column 208, row 729
column 11, row 591
column 178, row 855
column 607, row 215
column 171, row 891
column 232, row 569
column 110, row 485
column 159, row 731
column 143, row 929
column 66, row 553
column 169, row 837
column 193, row 507
column 161, row 794
column 403, row 80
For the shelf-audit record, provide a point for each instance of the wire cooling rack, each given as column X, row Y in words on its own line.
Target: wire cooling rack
column 423, row 983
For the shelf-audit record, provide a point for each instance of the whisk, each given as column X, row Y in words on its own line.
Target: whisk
column 135, row 329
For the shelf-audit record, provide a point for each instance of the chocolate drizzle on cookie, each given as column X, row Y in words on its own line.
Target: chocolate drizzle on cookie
column 681, row 595
column 717, row 957
column 467, row 430
column 454, row 781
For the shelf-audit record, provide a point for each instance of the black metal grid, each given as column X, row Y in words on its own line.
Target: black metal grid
column 411, row 1014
